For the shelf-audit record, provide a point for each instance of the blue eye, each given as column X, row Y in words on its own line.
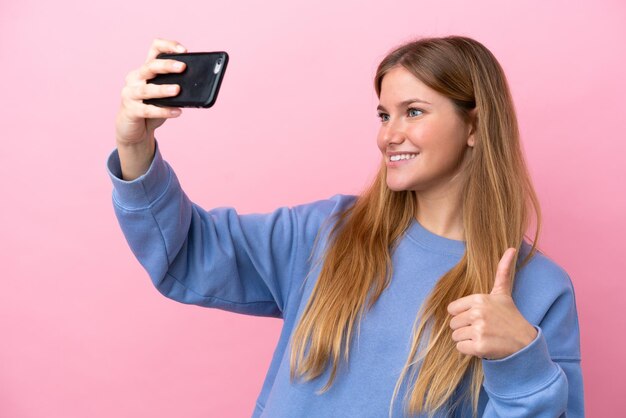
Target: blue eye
column 413, row 108
column 409, row 110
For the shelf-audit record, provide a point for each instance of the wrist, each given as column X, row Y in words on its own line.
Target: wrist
column 141, row 145
column 135, row 159
column 530, row 335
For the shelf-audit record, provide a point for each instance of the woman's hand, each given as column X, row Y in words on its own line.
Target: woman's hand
column 136, row 122
column 489, row 325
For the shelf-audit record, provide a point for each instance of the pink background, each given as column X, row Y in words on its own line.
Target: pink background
column 84, row 333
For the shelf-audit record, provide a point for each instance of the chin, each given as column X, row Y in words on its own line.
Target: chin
column 399, row 187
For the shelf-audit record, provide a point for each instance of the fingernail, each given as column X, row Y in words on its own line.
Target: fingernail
column 180, row 48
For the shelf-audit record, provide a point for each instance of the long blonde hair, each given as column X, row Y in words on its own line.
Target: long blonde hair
column 496, row 203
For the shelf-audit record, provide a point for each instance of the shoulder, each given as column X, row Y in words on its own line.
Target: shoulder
column 543, row 272
column 320, row 210
column 319, row 216
column 334, row 202
column 544, row 293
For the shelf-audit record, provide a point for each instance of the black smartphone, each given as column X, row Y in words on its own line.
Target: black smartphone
column 199, row 82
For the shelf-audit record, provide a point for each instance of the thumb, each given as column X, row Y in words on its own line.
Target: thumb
column 504, row 282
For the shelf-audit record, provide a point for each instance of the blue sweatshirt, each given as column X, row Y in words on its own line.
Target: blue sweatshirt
column 255, row 264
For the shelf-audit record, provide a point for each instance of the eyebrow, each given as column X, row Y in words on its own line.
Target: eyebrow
column 404, row 103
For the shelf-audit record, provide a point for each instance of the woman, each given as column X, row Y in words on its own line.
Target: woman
column 454, row 308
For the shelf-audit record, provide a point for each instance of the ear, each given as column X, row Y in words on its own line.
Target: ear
column 471, row 140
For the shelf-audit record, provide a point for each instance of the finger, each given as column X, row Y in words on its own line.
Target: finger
column 463, row 334
column 159, row 66
column 466, row 340
column 466, row 347
column 149, row 90
column 503, row 283
column 147, row 111
column 164, row 45
column 461, row 320
column 463, row 304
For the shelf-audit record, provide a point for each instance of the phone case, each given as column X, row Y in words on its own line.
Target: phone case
column 199, row 83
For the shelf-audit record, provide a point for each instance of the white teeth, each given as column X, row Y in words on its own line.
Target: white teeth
column 402, row 157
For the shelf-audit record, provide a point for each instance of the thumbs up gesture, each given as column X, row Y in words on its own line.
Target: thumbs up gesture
column 489, row 325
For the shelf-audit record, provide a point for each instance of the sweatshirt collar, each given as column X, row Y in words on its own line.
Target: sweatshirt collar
column 433, row 241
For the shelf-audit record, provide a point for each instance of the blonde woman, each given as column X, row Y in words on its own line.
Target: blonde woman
column 424, row 286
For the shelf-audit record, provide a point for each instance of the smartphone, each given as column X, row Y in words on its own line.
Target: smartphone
column 199, row 82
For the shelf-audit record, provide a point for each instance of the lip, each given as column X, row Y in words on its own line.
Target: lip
column 399, row 163
column 390, row 153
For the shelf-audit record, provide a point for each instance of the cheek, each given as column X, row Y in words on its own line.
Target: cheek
column 436, row 137
column 380, row 141
column 441, row 147
column 422, row 137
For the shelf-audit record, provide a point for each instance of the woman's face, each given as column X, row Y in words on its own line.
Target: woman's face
column 436, row 138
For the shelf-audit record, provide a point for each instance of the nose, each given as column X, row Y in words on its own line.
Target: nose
column 393, row 133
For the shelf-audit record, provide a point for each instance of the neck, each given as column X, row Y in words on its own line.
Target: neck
column 440, row 209
column 441, row 217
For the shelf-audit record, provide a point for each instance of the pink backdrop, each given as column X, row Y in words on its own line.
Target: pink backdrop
column 84, row 333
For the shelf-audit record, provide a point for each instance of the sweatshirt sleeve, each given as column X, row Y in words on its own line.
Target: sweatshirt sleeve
column 543, row 379
column 217, row 258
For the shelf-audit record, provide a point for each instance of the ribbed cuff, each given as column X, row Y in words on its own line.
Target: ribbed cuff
column 143, row 191
column 522, row 372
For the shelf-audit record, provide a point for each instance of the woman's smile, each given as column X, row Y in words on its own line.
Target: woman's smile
column 400, row 160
